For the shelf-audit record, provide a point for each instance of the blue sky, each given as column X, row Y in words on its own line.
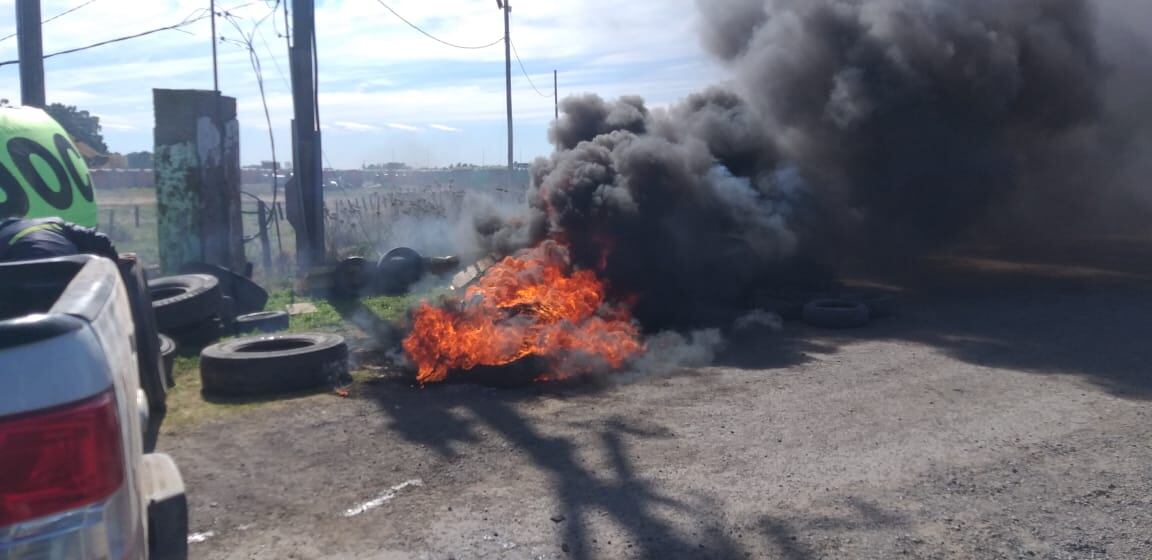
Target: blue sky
column 386, row 92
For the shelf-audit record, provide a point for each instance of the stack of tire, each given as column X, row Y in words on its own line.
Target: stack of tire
column 190, row 309
column 393, row 275
column 196, row 308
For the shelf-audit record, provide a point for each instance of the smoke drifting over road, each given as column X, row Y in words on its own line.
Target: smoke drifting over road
column 882, row 126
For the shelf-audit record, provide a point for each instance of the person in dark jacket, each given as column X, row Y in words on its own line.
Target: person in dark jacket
column 27, row 239
column 23, row 239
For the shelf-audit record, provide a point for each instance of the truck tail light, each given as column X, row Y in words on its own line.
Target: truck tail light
column 59, row 459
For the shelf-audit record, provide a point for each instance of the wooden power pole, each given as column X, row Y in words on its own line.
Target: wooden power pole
column 504, row 5
column 31, row 52
column 306, row 153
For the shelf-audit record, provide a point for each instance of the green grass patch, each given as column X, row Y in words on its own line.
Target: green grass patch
column 338, row 316
column 188, row 408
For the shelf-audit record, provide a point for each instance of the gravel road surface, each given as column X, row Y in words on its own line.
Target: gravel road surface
column 1005, row 413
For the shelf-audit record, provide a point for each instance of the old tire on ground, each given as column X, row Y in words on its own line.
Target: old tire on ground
column 248, row 295
column 263, row 321
column 146, row 342
column 192, row 338
column 398, row 270
column 184, row 300
column 168, row 353
column 270, row 364
column 227, row 313
column 879, row 303
column 836, row 314
column 787, row 308
column 351, row 277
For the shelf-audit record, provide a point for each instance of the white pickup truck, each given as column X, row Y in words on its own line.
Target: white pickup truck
column 75, row 481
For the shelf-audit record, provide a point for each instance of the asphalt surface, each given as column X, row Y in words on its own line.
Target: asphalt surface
column 1005, row 413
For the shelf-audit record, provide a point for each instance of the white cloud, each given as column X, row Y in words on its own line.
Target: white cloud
column 373, row 68
column 355, row 126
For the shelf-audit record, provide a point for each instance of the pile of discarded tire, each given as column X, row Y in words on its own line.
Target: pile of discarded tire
column 190, row 308
column 264, row 365
column 838, row 310
column 394, row 274
column 196, row 309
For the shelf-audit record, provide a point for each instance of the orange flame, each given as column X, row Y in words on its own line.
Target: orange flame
column 529, row 304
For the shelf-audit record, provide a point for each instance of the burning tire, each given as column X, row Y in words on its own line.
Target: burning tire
column 271, row 364
column 168, row 353
column 264, row 321
column 185, row 300
column 836, row 314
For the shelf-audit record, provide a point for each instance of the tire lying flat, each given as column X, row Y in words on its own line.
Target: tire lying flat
column 273, row 364
column 184, row 300
column 836, row 314
column 263, row 321
column 880, row 303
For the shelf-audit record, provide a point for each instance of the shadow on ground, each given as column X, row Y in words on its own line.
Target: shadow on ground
column 1048, row 314
column 1083, row 309
column 786, row 534
column 453, row 415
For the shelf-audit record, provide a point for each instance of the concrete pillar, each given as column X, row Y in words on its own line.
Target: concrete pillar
column 197, row 168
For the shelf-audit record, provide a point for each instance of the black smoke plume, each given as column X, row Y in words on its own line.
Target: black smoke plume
column 850, row 127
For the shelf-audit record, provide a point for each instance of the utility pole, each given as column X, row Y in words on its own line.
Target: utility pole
column 31, row 53
column 556, row 106
column 504, row 5
column 310, row 248
column 215, row 71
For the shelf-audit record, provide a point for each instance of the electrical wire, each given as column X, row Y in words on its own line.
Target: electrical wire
column 59, row 15
column 258, row 70
column 272, row 55
column 433, row 37
column 547, row 95
column 174, row 27
column 287, row 29
column 110, row 41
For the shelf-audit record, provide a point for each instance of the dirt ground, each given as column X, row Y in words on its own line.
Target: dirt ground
column 1005, row 413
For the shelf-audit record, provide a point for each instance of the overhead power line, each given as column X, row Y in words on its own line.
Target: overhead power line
column 174, row 27
column 433, row 37
column 57, row 16
column 258, row 69
column 522, row 69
